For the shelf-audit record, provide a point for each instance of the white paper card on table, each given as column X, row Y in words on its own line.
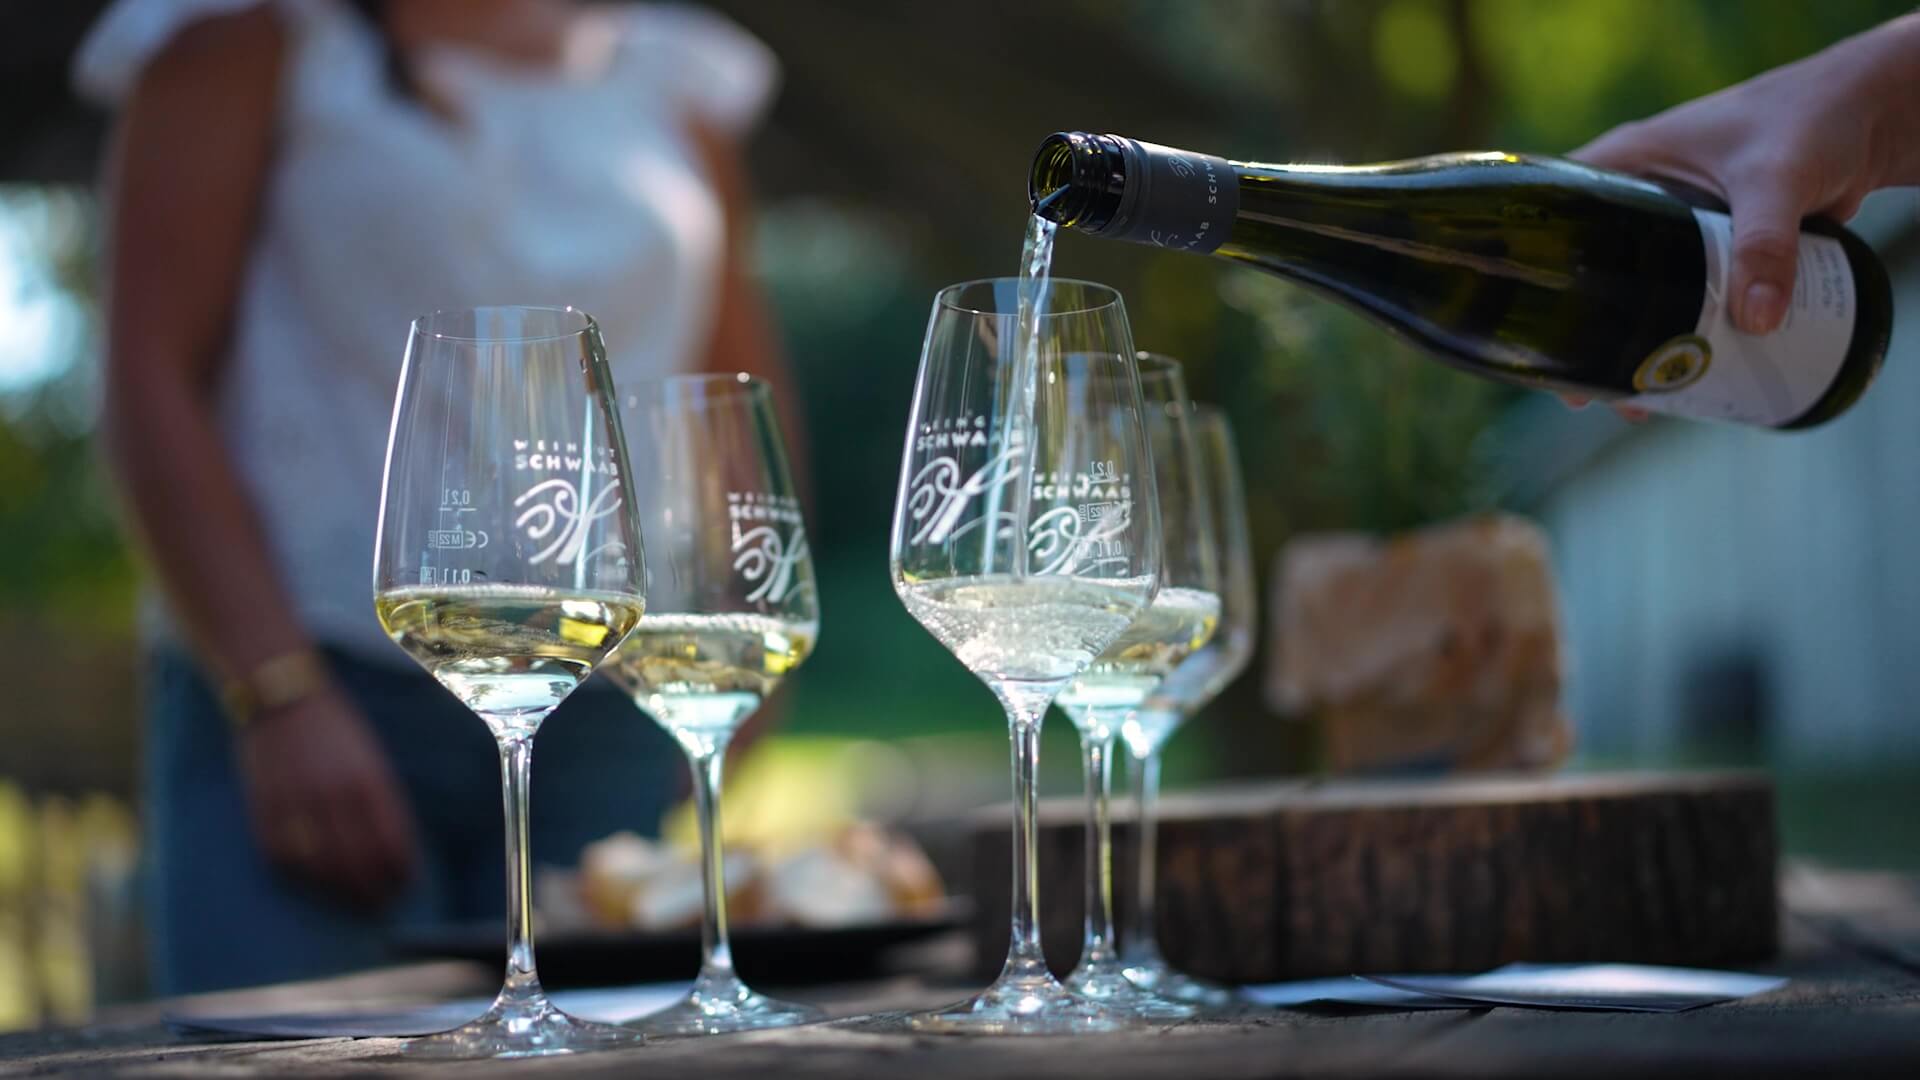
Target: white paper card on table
column 613, row 1005
column 1348, row 990
column 1624, row 987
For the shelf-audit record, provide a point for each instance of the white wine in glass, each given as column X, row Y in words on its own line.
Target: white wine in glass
column 1178, row 621
column 1031, row 630
column 510, row 652
column 508, row 564
column 705, row 672
column 733, row 609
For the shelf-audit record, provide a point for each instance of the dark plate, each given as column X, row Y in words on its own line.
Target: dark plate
column 767, row 954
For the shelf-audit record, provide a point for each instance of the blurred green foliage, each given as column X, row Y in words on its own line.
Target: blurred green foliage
column 65, row 560
column 62, row 558
column 1376, row 436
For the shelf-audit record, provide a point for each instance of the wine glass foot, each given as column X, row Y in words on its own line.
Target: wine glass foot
column 728, row 1007
column 531, row 1031
column 1108, row 985
column 1164, row 982
column 1032, row 1005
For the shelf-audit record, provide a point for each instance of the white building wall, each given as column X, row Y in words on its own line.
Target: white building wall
column 1682, row 541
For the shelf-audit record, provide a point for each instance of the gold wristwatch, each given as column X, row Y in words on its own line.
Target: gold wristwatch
column 275, row 684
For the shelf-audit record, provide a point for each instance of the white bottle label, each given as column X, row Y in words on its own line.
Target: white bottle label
column 1719, row 373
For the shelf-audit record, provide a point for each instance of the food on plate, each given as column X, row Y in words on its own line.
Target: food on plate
column 861, row 874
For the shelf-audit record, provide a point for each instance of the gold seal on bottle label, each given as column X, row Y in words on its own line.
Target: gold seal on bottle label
column 1680, row 362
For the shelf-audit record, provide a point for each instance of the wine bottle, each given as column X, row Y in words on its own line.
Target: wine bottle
column 1532, row 270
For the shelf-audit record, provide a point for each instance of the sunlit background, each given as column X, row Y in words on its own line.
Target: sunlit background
column 1730, row 596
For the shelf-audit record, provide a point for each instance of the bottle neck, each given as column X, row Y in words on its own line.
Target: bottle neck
column 1125, row 189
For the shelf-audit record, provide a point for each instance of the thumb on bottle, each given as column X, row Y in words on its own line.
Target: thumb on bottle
column 1766, row 253
column 1627, row 148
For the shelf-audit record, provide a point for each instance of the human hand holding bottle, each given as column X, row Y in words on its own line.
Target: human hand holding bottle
column 1810, row 139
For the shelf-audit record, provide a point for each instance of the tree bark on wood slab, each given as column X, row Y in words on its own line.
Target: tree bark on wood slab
column 1303, row 879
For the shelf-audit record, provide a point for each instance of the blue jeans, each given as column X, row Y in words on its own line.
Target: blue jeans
column 219, row 915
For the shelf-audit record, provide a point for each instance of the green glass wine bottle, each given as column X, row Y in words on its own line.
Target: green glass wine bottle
column 1533, row 270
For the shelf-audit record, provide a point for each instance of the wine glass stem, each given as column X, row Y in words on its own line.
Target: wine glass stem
column 716, row 952
column 1097, row 755
column 522, row 986
column 1024, row 956
column 1142, row 938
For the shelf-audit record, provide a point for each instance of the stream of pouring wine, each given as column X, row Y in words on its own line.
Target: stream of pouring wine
column 1036, row 267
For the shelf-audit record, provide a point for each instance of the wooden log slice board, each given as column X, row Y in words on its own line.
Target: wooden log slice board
column 1300, row 879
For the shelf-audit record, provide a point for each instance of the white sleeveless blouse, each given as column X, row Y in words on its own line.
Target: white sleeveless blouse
column 553, row 188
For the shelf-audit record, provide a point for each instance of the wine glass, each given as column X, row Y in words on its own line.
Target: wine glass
column 1195, row 682
column 732, row 608
column 1100, row 699
column 508, row 564
column 1026, row 540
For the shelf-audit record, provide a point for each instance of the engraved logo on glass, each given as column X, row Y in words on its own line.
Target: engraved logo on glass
column 762, row 553
column 1089, row 534
column 937, row 497
column 558, row 510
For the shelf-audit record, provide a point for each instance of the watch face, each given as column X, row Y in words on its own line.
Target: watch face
column 284, row 680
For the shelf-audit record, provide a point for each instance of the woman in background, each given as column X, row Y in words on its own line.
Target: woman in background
column 291, row 181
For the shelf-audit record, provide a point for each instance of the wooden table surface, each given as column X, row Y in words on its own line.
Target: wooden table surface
column 1852, row 951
